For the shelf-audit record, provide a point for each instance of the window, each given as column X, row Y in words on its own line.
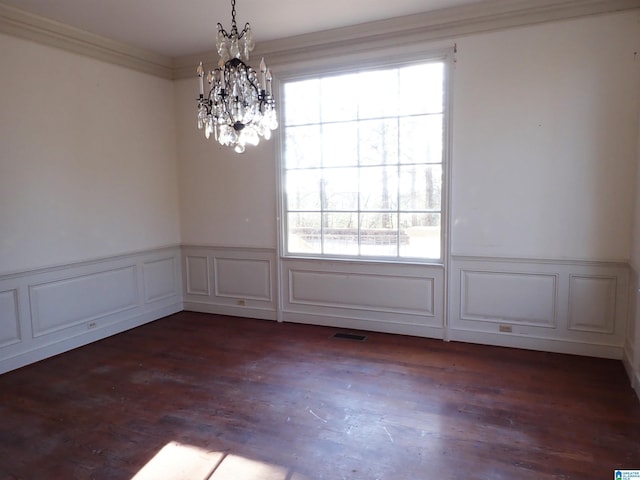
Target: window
column 362, row 163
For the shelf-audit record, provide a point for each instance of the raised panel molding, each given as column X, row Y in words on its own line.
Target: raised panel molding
column 71, row 301
column 9, row 320
column 230, row 281
column 631, row 358
column 386, row 297
column 68, row 306
column 385, row 293
column 592, row 303
column 49, row 311
column 576, row 307
column 242, row 278
column 197, row 275
column 160, row 279
column 508, row 297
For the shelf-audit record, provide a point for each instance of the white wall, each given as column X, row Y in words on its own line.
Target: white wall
column 544, row 143
column 544, row 140
column 89, row 227
column 632, row 346
column 545, row 129
column 634, row 331
column 100, row 161
column 87, row 158
column 544, row 136
column 226, row 199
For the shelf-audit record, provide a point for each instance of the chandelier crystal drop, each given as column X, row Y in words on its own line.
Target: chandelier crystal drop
column 239, row 107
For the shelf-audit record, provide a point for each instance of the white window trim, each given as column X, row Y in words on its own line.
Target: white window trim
column 390, row 58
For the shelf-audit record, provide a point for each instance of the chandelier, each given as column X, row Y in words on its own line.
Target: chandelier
column 239, row 108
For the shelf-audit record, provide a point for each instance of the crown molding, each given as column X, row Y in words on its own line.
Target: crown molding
column 20, row 23
column 440, row 24
column 417, row 29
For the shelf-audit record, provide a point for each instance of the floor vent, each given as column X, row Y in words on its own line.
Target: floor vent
column 350, row 336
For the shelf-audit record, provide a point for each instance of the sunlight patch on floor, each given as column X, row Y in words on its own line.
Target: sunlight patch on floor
column 176, row 461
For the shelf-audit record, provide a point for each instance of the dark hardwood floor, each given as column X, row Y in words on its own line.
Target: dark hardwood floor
column 195, row 396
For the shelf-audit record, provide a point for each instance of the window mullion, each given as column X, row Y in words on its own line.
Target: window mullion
column 325, row 151
column 358, row 189
column 322, row 177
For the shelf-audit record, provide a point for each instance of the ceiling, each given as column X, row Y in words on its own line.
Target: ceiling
column 175, row 28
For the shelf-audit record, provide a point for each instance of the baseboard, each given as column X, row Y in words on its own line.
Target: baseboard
column 52, row 310
column 536, row 343
column 45, row 351
column 366, row 325
column 627, row 361
column 561, row 306
column 235, row 281
column 231, row 310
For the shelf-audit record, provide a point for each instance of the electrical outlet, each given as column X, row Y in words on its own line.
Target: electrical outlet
column 505, row 328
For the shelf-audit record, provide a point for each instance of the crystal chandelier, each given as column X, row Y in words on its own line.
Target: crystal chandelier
column 239, row 108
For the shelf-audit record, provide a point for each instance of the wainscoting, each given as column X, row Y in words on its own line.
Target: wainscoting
column 230, row 281
column 49, row 311
column 557, row 306
column 631, row 358
column 407, row 299
column 567, row 307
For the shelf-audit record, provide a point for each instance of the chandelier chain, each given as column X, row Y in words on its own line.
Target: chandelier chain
column 234, row 25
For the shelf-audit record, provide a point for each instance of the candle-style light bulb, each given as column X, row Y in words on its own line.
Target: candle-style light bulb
column 269, row 78
column 200, row 71
column 263, row 71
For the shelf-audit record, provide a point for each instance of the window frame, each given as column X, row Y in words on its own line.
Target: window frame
column 347, row 65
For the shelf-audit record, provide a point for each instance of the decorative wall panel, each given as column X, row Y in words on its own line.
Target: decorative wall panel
column 389, row 293
column 68, row 302
column 9, row 321
column 230, row 281
column 575, row 307
column 387, row 297
column 197, row 275
column 524, row 298
column 243, row 278
column 592, row 303
column 48, row 311
column 160, row 279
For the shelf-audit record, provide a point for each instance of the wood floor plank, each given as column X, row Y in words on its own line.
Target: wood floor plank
column 234, row 398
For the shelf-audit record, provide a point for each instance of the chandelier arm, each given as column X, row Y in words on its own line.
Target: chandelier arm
column 226, row 96
column 246, row 28
column 234, row 30
column 221, row 29
column 207, row 104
